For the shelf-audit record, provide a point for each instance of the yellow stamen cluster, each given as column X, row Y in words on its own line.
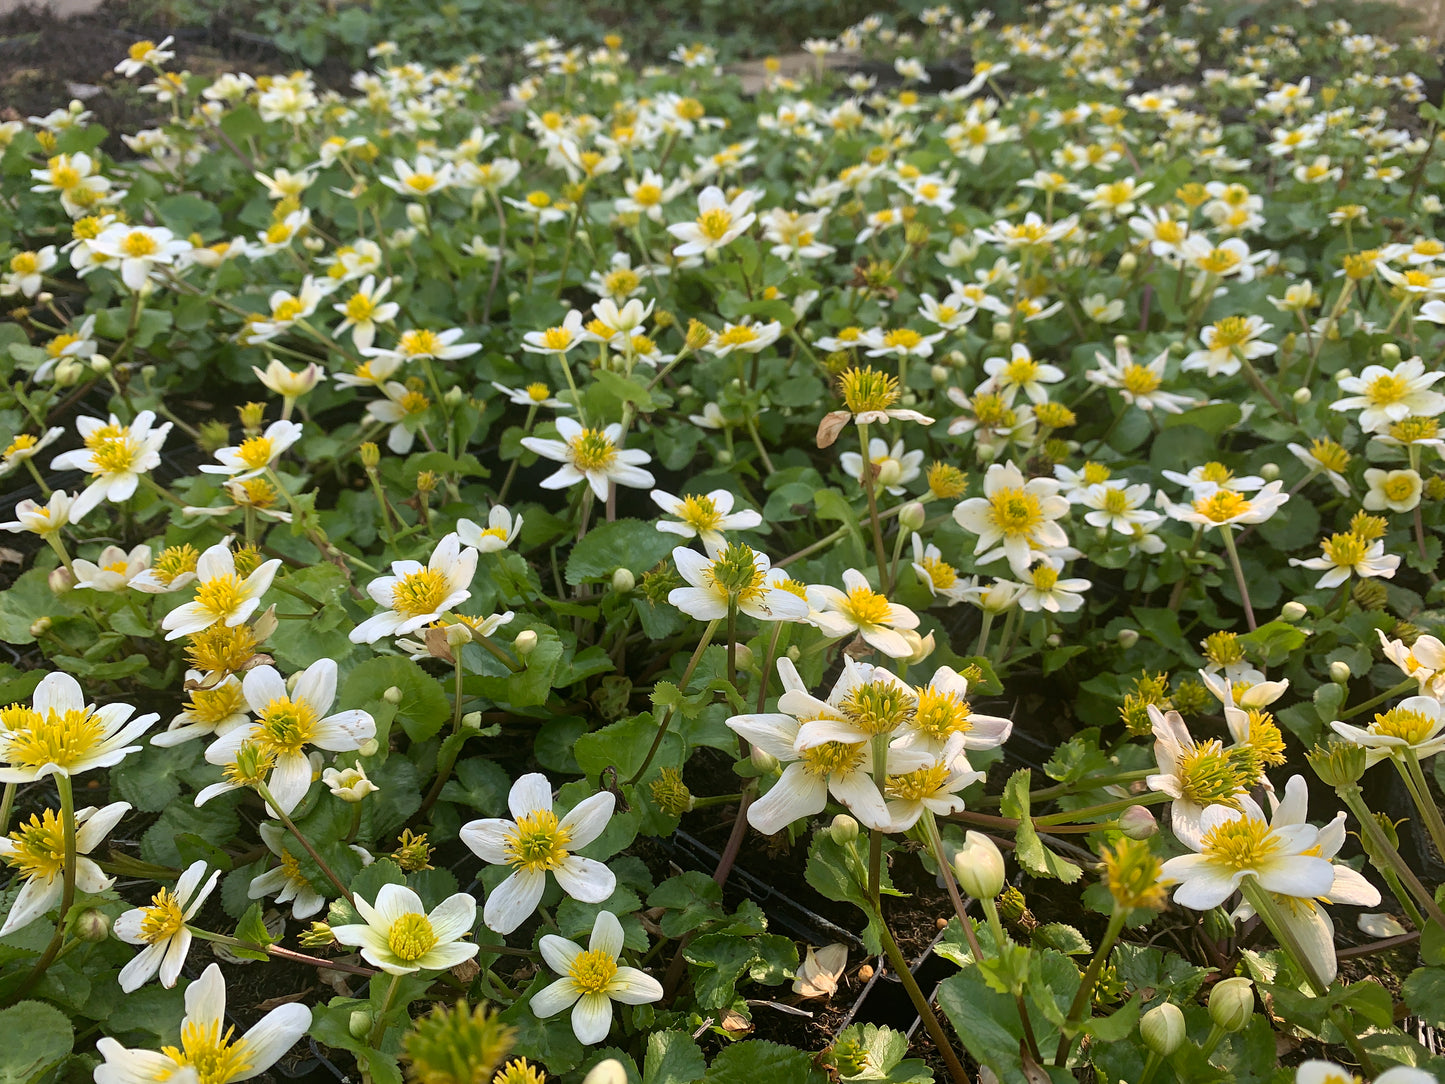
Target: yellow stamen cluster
column 411, row 937
column 175, row 561
column 735, row 572
column 1132, row 875
column 917, row 785
column 946, row 482
column 940, row 713
column 220, row 597
column 39, row 847
column 866, row 608
column 538, row 843
column 592, row 971
column 1412, row 727
column 163, row 918
column 215, row 1057
column 1240, row 844
column 592, row 450
column 1368, row 527
column 420, row 592
column 1207, row 776
column 833, row 757
column 1014, row 512
column 1222, row 649
column 879, row 707
column 868, row 389
column 1222, row 506
column 61, row 738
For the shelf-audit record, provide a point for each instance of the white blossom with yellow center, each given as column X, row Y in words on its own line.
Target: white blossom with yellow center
column 161, row 927
column 415, row 595
column 591, row 980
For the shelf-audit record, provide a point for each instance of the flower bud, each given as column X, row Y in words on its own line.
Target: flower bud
column 1127, row 638
column 844, row 829
column 1339, row 671
column 912, row 515
column 978, row 866
column 1137, row 822
column 348, row 784
column 1301, row 396
column 1162, row 1029
column 1003, row 331
column 606, row 1072
column 39, row 627
column 454, row 396
column 359, row 1023
column 623, row 581
column 1292, row 611
column 1127, row 263
column 99, row 364
column 524, row 643
column 61, row 580
column 794, row 653
column 472, row 720
column 744, row 656
column 1390, row 354
column 392, row 695
column 1338, row 763
column 92, row 925
column 416, row 215
column 1053, row 639
column 920, row 647
column 763, row 760
column 938, row 374
column 457, row 635
column 369, row 748
column 67, row 373
column 1269, row 472
column 1231, row 1003
column 370, row 455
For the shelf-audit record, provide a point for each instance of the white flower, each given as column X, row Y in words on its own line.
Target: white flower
column 1227, row 507
column 423, row 179
column 537, row 842
column 1019, row 372
column 499, row 533
column 217, row 710
column 113, row 570
column 559, row 339
column 1424, row 660
column 933, row 787
column 35, row 850
column 1014, row 514
column 745, row 338
column 115, row 456
column 1383, row 396
column 145, row 53
column 1348, row 554
column 704, row 516
column 286, row 882
column 364, row 310
column 936, row 574
column 893, row 466
column 27, row 272
column 1397, row 490
column 1043, row 590
column 717, row 225
column 41, row 519
column 1195, row 774
column 737, row 572
column 206, row 1042
column 161, row 927
column 138, row 250
column 1239, row 843
column 1225, row 342
column 255, row 454
column 1412, row 726
column 419, row 344
column 349, row 784
column 60, row 734
column 287, row 722
column 1137, row 384
column 1316, row 1071
column 221, row 595
column 592, row 980
column 592, row 455
column 1118, row 505
column 858, row 608
column 400, row 936
column 284, row 382
column 417, row 595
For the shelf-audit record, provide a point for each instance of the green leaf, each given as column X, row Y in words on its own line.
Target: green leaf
column 672, row 1058
column 549, row 1041
column 1273, row 643
column 253, row 928
column 886, row 1050
column 1031, row 852
column 719, row 961
column 626, row 543
column 480, row 784
column 37, row 1036
column 757, row 1060
column 423, row 709
column 1424, row 993
column 624, row 745
column 182, row 826
column 150, row 780
column 692, row 899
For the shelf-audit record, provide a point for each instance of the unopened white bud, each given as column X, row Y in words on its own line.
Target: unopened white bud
column 1292, row 611
column 1162, row 1029
column 457, row 635
column 763, row 760
column 472, row 720
column 606, row 1072
column 1127, row 263
column 369, row 748
column 1231, row 1003
column 979, row 867
column 1301, row 396
column 744, row 656
column 1339, row 671
column 1127, row 638
column 524, row 643
column 454, row 397
column 99, row 364
column 938, row 374
column 912, row 516
column 844, row 829
column 61, row 580
column 416, row 215
column 392, row 695
column 623, row 581
column 1269, row 472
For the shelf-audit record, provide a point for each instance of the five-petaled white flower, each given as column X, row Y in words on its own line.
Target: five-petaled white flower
column 858, row 608
column 1016, row 515
column 400, row 936
column 1413, row 726
column 255, row 454
column 416, row 594
column 537, row 842
column 35, row 850
column 737, row 574
column 161, row 927
column 592, row 455
column 60, row 734
column 704, row 516
column 115, row 456
column 592, row 979
column 717, row 225
column 221, row 595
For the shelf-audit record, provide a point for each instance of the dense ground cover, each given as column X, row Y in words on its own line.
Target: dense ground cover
column 586, row 577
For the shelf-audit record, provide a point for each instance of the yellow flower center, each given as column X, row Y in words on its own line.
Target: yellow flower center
column 117, row 455
column 1014, row 511
column 700, row 513
column 1345, row 550
column 1222, row 506
column 903, row 338
column 25, row 442
column 592, row 450
column 1400, row 486
column 421, row 182
column 538, row 843
column 286, row 726
column 918, row 785
column 163, row 918
column 215, row 1057
column 1044, row 577
column 57, row 346
column 715, row 223
column 254, row 452
column 648, row 195
column 60, row 738
column 222, row 648
column 25, row 263
column 1411, row 726
column 1206, row 776
column 140, row 50
column 64, row 177
column 216, row 705
column 1240, row 844
column 621, row 282
column 940, row 572
column 420, row 592
column 832, row 758
column 1021, row 371
column 866, row 608
column 420, row 342
column 1170, row 231
column 1116, row 501
column 538, row 392
column 1329, row 455
column 39, row 847
column 360, row 308
column 592, row 972
column 1218, row 260
column 737, row 335
column 539, row 200
column 939, row 713
column 221, row 596
column 139, row 244
column 1230, row 332
column 411, row 937
column 121, row 566
column 1416, row 428
column 1386, row 389
column 557, row 338
column 287, row 310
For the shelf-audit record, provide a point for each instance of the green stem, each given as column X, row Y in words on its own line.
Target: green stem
column 1271, row 915
column 920, row 1003
column 1388, row 694
column 1073, row 815
column 1227, row 533
column 275, row 808
column 378, row 1026
column 1380, row 845
column 1084, row 998
column 67, row 894
column 866, row 470
column 682, row 688
column 1426, row 801
column 6, row 803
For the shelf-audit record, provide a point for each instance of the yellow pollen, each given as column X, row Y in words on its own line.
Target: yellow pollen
column 1329, row 455
column 866, row 608
column 1230, row 332
column 220, row 597
column 538, row 843
column 918, row 785
column 360, row 308
column 411, row 937
column 421, row 182
column 163, row 918
column 56, row 347
column 867, row 389
column 902, row 338
column 557, row 338
column 715, row 223
column 1206, row 776
column 414, row 402
column 255, row 452
column 1345, row 550
column 592, row 450
column 1413, row 727
column 1094, row 473
column 39, row 847
column 592, row 971
column 1021, row 371
column 1240, row 844
column 216, row 705
column 737, row 335
column 1222, row 505
column 140, row 50
column 1044, row 577
column 420, row 342
column 138, row 244
column 539, row 200
column 700, row 513
column 1386, row 389
column 420, row 592
column 940, row 572
column 538, row 392
column 25, row 263
column 286, row 726
column 940, row 713
column 1116, row 501
column 1015, row 511
column 1415, row 428
column 116, row 455
column 60, row 738
column 1399, row 488
column 621, row 282
column 1170, row 231
column 216, row 1058
column 648, row 195
column 22, row 443
column 832, row 758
